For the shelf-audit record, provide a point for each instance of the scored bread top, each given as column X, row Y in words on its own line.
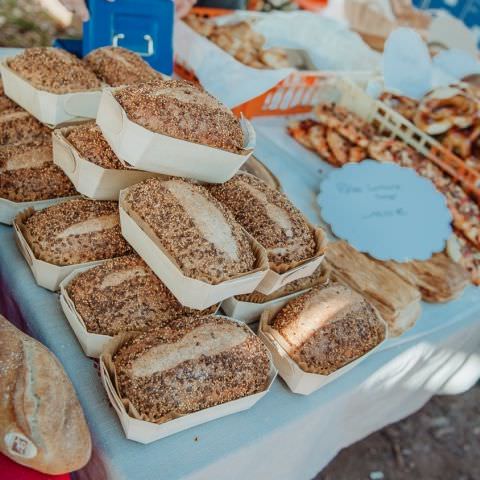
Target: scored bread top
column 27, row 173
column 189, row 365
column 182, row 110
column 18, row 126
column 119, row 66
column 123, row 294
column 90, row 143
column 328, row 327
column 193, row 228
column 76, row 231
column 54, row 70
column 269, row 217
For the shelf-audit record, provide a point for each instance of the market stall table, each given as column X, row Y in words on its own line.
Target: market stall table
column 285, row 436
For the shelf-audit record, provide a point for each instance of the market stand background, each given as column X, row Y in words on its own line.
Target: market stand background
column 438, row 442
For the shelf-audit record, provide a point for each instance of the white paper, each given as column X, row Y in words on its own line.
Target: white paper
column 385, row 210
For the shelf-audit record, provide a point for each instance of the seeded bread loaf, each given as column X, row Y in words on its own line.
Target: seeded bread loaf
column 75, row 231
column 27, row 173
column 90, row 143
column 190, row 365
column 5, row 103
column 182, row 110
column 54, row 70
column 193, row 228
column 327, row 328
column 119, row 66
column 270, row 218
column 18, row 126
column 123, row 294
column 439, row 278
column 397, row 301
column 41, row 421
column 319, row 277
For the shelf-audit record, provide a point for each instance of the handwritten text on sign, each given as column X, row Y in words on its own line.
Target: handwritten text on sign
column 385, row 210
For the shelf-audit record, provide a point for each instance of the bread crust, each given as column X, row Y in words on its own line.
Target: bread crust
column 41, row 421
column 18, row 126
column 76, row 231
column 190, row 365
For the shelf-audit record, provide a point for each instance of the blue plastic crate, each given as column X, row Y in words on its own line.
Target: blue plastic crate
column 144, row 26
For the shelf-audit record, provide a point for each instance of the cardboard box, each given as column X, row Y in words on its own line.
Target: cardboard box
column 50, row 108
column 147, row 432
column 145, row 150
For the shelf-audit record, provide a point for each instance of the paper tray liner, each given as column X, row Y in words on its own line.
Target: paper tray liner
column 261, row 259
column 110, row 381
column 286, row 273
column 298, row 380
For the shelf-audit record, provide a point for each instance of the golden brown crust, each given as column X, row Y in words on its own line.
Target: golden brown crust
column 193, row 228
column 182, row 110
column 76, row 231
column 319, row 277
column 18, row 126
column 123, row 295
column 219, row 361
column 90, row 143
column 439, row 279
column 54, row 70
column 27, row 173
column 119, row 66
column 269, row 217
column 328, row 327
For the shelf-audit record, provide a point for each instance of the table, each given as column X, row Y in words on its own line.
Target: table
column 285, row 436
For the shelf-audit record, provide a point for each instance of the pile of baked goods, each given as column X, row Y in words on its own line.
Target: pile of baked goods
column 450, row 114
column 339, row 136
column 241, row 41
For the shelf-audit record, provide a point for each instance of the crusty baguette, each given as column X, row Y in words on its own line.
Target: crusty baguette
column 328, row 327
column 269, row 217
column 119, row 66
column 75, row 231
column 41, row 421
column 189, row 365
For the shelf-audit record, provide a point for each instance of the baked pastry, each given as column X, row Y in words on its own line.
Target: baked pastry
column 5, row 103
column 123, row 294
column 320, row 277
column 41, row 421
column 193, row 228
column 75, row 231
column 90, row 143
column 27, row 173
column 439, row 278
column 190, row 365
column 270, row 218
column 397, row 301
column 119, row 66
column 179, row 109
column 327, row 328
column 18, row 126
column 54, row 70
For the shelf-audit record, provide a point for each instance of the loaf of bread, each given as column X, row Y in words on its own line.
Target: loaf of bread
column 27, row 173
column 18, row 126
column 190, row 365
column 439, row 278
column 75, row 231
column 123, row 295
column 320, row 277
column 53, row 70
column 119, row 66
column 182, row 110
column 328, row 327
column 255, row 167
column 5, row 103
column 397, row 301
column 193, row 228
column 270, row 218
column 41, row 421
column 90, row 143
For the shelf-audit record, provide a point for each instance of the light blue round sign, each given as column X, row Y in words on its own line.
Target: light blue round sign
column 385, row 210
